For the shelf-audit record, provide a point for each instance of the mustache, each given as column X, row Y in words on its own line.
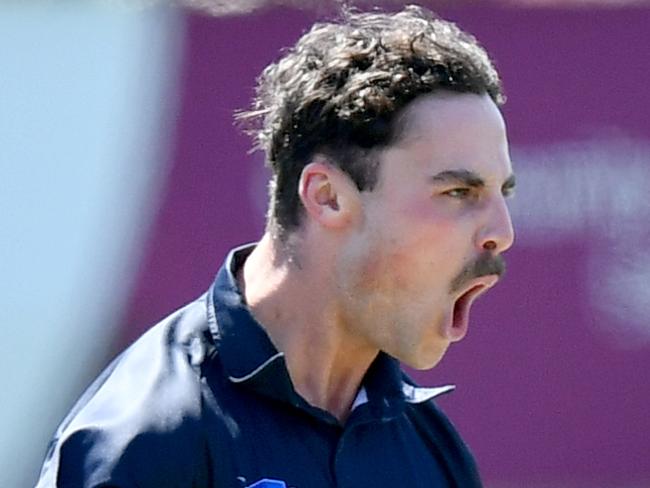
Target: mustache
column 486, row 264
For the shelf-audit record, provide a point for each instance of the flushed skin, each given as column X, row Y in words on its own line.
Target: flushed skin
column 414, row 234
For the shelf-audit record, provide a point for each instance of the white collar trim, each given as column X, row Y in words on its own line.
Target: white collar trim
column 418, row 394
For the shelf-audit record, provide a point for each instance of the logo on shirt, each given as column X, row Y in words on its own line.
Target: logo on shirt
column 267, row 483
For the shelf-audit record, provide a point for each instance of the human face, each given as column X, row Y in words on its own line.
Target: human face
column 436, row 220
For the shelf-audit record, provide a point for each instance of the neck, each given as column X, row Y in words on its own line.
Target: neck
column 293, row 295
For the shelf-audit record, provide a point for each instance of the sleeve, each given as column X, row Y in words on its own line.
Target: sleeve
column 138, row 425
column 91, row 458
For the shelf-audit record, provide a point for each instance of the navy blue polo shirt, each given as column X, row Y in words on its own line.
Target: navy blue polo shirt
column 204, row 399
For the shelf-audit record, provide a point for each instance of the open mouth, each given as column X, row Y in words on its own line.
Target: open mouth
column 463, row 304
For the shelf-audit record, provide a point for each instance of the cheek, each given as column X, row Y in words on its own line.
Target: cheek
column 431, row 246
column 428, row 212
column 430, row 231
column 410, row 257
column 408, row 244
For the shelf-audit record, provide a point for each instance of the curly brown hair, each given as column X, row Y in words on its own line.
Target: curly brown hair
column 338, row 90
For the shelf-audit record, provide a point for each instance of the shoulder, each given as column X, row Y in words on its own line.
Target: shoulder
column 139, row 423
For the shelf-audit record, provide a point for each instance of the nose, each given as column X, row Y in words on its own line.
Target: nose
column 497, row 234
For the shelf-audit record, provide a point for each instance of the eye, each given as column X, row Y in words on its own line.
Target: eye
column 508, row 191
column 458, row 193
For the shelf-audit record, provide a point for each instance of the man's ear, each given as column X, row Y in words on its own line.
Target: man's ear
column 328, row 194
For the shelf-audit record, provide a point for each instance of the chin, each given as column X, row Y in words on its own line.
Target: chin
column 425, row 360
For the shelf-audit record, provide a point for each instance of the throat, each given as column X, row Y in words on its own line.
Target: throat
column 329, row 383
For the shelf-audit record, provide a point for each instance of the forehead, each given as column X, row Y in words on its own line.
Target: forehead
column 450, row 131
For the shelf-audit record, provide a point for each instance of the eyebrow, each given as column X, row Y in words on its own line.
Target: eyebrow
column 469, row 178
column 463, row 176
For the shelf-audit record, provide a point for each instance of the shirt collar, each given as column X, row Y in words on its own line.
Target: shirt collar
column 245, row 349
column 250, row 358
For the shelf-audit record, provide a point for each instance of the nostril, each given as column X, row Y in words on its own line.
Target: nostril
column 490, row 245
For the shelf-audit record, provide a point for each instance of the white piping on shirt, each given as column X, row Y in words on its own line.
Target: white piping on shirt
column 256, row 370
